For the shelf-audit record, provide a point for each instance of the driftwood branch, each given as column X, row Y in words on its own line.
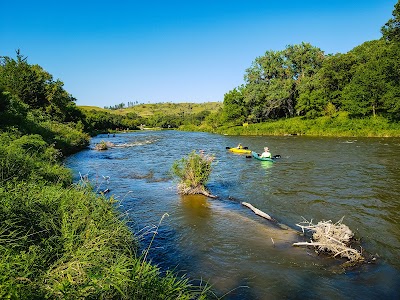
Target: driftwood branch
column 258, row 212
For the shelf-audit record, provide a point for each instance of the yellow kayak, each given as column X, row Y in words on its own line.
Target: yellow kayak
column 240, row 151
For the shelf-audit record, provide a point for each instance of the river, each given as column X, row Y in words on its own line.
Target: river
column 241, row 255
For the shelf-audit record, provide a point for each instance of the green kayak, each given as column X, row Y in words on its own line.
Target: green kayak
column 256, row 156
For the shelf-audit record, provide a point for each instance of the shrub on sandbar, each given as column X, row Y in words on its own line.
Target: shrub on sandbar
column 193, row 172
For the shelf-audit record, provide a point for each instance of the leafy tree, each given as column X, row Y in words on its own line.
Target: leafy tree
column 234, row 106
column 273, row 80
column 25, row 81
column 302, row 80
column 304, row 60
column 374, row 87
column 363, row 96
column 214, row 120
column 12, row 110
column 36, row 88
column 326, row 86
column 391, row 30
column 312, row 99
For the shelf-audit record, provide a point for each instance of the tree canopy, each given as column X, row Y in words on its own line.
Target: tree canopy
column 302, row 80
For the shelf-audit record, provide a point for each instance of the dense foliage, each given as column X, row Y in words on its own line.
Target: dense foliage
column 37, row 89
column 303, row 81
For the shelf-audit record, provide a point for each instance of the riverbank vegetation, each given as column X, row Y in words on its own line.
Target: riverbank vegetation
column 340, row 125
column 59, row 240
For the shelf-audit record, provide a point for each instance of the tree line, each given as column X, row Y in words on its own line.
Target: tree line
column 302, row 80
column 30, row 90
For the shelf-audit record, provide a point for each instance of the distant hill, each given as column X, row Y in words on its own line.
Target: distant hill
column 147, row 110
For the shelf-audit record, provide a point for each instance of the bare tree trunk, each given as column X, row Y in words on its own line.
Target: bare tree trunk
column 258, row 212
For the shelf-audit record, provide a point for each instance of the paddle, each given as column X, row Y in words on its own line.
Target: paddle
column 227, row 148
column 251, row 156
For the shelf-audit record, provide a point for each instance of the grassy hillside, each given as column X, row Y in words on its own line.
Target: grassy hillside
column 86, row 107
column 148, row 110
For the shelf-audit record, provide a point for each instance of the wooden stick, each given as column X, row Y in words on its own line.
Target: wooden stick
column 258, row 212
column 309, row 244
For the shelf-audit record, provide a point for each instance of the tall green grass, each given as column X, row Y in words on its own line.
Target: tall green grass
column 30, row 158
column 61, row 241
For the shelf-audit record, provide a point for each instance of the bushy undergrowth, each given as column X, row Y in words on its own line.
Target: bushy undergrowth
column 65, row 137
column 30, row 158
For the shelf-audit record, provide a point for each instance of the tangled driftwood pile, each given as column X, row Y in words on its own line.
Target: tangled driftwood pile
column 334, row 238
column 327, row 237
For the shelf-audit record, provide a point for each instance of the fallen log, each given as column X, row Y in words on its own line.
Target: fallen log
column 258, row 212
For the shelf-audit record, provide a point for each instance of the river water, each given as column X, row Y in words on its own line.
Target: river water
column 241, row 255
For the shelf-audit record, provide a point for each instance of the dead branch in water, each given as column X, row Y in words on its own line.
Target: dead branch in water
column 258, row 212
column 331, row 238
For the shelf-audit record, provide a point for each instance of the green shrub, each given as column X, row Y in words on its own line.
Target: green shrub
column 64, row 137
column 193, row 172
column 30, row 158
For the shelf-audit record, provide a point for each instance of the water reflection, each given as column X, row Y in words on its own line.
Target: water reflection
column 196, row 209
column 267, row 165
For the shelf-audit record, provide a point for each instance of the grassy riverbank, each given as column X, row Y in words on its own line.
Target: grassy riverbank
column 338, row 126
column 59, row 240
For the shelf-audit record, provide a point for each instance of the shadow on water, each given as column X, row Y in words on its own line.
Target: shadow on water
column 239, row 253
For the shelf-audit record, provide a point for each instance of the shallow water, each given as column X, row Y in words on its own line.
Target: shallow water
column 239, row 253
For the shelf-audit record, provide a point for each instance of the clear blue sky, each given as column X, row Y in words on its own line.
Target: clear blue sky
column 108, row 52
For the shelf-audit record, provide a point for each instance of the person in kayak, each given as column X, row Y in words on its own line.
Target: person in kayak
column 239, row 146
column 266, row 153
